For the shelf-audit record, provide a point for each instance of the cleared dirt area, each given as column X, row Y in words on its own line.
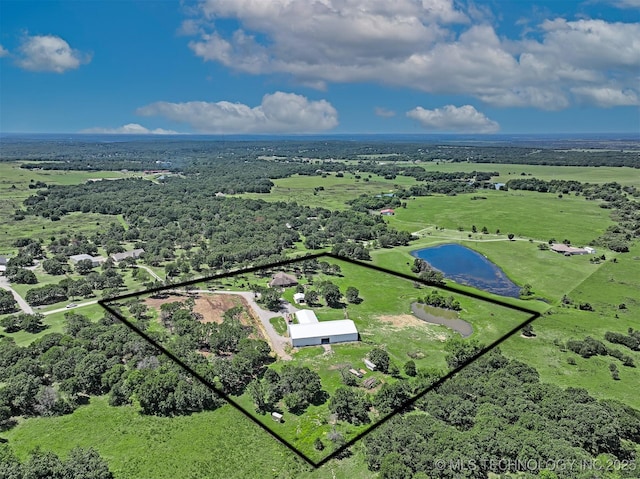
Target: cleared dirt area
column 155, row 303
column 401, row 320
column 213, row 306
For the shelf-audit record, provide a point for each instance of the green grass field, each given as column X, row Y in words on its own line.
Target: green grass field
column 41, row 228
column 527, row 214
column 586, row 174
column 336, row 190
column 608, row 286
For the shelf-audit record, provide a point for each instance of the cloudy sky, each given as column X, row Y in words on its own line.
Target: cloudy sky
column 320, row 66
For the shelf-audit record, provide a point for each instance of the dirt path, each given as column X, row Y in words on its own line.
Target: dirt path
column 150, row 271
column 24, row 306
column 458, row 325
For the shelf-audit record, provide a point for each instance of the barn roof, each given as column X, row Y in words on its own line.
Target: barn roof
column 563, row 248
column 322, row 329
column 306, row 316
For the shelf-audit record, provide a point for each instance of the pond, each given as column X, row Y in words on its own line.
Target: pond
column 465, row 266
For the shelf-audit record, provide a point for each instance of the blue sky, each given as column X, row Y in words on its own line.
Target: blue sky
column 319, row 66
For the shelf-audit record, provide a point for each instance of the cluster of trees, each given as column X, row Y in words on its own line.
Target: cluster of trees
column 31, row 323
column 53, row 374
column 434, row 298
column 234, row 360
column 592, row 347
column 109, row 281
column 426, row 273
column 8, row 304
column 630, row 340
column 366, row 203
column 498, row 410
column 296, row 386
column 79, row 464
column 15, row 274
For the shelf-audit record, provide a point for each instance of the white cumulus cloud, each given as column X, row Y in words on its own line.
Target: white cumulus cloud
column 3, row 51
column 130, row 129
column 278, row 113
column 607, row 97
column 450, row 118
column 49, row 53
column 435, row 46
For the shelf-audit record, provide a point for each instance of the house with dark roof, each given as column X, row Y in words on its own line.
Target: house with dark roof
column 283, row 280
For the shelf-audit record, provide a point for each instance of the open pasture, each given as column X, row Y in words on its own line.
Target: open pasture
column 585, row 174
column 14, row 189
column 540, row 216
column 337, row 191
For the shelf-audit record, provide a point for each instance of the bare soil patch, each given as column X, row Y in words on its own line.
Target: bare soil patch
column 401, row 320
column 155, row 303
column 213, row 306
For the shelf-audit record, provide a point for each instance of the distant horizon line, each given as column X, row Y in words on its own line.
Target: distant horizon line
column 321, row 135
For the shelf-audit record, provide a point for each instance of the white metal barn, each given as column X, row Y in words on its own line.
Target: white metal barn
column 324, row 332
column 306, row 316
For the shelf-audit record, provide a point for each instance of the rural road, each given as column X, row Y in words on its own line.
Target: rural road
column 277, row 342
column 24, row 306
column 80, row 305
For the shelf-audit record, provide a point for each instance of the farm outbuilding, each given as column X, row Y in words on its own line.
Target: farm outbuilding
column 324, row 332
column 135, row 254
column 306, row 316
column 298, row 298
column 567, row 250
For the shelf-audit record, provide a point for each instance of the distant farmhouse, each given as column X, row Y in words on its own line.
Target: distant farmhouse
column 135, row 254
column 311, row 332
column 569, row 250
column 3, row 264
column 387, row 212
column 95, row 260
column 283, row 280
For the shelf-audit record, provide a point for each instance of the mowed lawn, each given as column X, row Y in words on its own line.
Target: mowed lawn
column 540, row 216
